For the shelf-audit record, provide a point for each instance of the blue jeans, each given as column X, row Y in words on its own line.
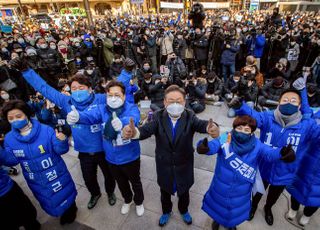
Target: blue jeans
column 225, row 68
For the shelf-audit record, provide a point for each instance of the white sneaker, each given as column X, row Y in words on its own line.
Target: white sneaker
column 139, row 210
column 125, row 208
column 304, row 220
column 292, row 214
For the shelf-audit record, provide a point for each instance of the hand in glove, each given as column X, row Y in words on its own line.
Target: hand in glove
column 116, row 122
column 203, row 147
column 19, row 63
column 73, row 116
column 235, row 103
column 288, row 154
column 300, row 83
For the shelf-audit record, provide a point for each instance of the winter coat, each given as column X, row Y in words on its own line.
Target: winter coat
column 87, row 138
column 165, row 44
column 39, row 154
column 201, row 47
column 228, row 200
column 274, row 135
column 215, row 87
column 305, row 187
column 125, row 78
column 50, row 61
column 179, row 47
column 258, row 45
column 174, row 149
column 228, row 56
column 107, row 50
column 115, row 154
column 272, row 93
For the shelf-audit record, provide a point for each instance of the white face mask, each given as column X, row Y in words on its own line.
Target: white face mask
column 67, row 89
column 148, row 81
column 235, row 80
column 43, row 46
column 20, row 40
column 175, row 110
column 89, row 71
column 114, row 102
column 53, row 47
column 5, row 96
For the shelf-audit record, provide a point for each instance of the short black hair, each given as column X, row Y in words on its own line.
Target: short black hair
column 16, row 104
column 81, row 79
column 114, row 83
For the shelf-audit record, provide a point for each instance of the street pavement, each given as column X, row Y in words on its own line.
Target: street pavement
column 103, row 216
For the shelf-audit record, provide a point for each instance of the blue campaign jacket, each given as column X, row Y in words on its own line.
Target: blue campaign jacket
column 87, row 138
column 228, row 200
column 117, row 155
column 274, row 135
column 260, row 42
column 305, row 187
column 125, row 78
column 5, row 181
column 39, row 154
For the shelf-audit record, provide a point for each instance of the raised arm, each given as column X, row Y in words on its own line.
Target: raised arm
column 46, row 90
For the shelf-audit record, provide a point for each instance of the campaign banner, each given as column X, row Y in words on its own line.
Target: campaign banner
column 6, row 29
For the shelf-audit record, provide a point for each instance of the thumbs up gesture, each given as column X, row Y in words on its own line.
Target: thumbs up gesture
column 129, row 131
column 73, row 116
column 203, row 147
column 116, row 122
column 288, row 154
column 213, row 129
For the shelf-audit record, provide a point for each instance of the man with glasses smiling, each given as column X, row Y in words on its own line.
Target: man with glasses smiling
column 285, row 125
column 174, row 128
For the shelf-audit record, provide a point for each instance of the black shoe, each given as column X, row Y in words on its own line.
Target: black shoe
column 268, row 215
column 215, row 226
column 233, row 228
column 252, row 212
column 69, row 216
column 112, row 199
column 93, row 201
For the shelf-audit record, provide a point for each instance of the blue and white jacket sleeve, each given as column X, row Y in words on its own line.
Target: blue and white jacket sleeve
column 258, row 116
column 59, row 147
column 132, row 111
column 7, row 157
column 94, row 116
column 305, row 107
column 46, row 90
column 268, row 153
column 214, row 146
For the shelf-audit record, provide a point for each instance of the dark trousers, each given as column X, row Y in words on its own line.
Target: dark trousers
column 124, row 174
column 89, row 166
column 17, row 210
column 274, row 193
column 163, row 59
column 166, row 203
column 307, row 211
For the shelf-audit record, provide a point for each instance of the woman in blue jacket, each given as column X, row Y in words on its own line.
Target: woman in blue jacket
column 87, row 138
column 278, row 128
column 122, row 155
column 38, row 149
column 16, row 208
column 228, row 200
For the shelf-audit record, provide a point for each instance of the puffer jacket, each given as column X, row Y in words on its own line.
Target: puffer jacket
column 49, row 61
column 277, row 136
column 228, row 200
column 39, row 154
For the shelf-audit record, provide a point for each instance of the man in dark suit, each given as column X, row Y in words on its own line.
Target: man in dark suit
column 174, row 128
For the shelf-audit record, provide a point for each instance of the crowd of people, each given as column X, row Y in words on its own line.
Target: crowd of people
column 81, row 86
